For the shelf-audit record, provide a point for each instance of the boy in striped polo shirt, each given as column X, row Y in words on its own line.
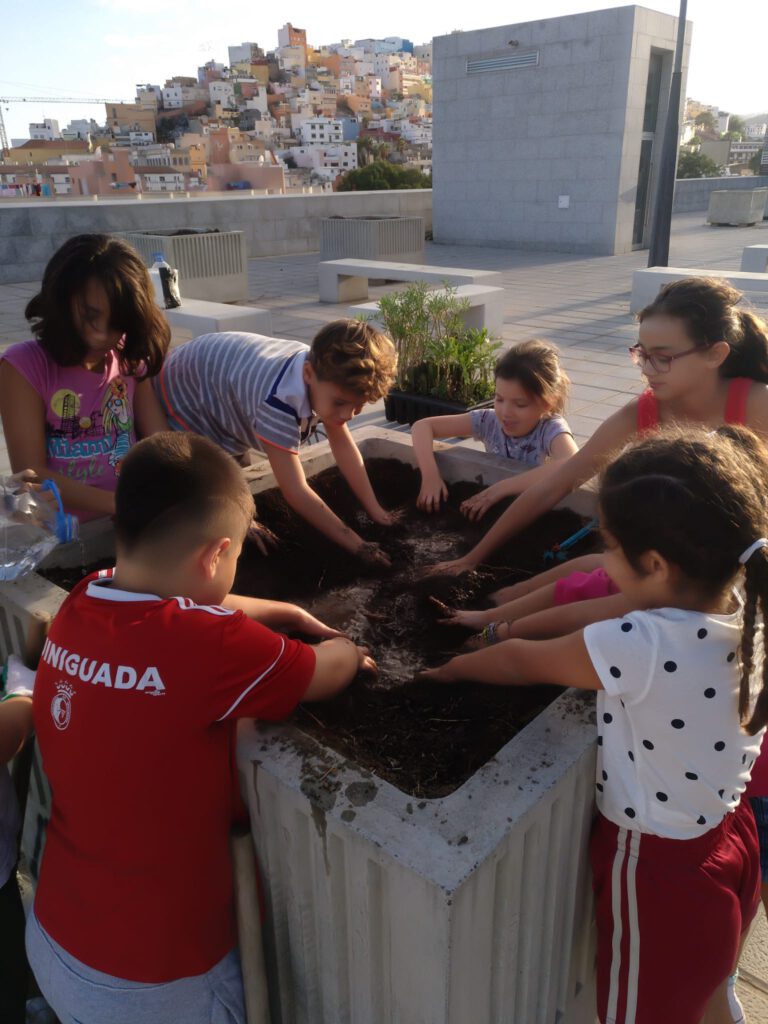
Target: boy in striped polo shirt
column 250, row 391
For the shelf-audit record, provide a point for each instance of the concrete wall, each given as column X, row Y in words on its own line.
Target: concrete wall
column 508, row 143
column 693, row 193
column 31, row 231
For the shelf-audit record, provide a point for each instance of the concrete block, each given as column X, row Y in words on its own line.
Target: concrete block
column 646, row 283
column 755, row 259
column 728, row 207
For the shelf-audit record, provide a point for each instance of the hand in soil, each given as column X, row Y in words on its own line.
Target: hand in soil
column 309, row 626
column 474, row 508
column 460, row 616
column 365, row 662
column 263, row 538
column 453, row 568
column 439, row 674
column 371, row 554
column 432, row 495
column 385, row 518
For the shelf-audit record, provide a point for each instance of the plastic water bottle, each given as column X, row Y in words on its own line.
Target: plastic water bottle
column 165, row 281
column 30, row 527
column 158, row 264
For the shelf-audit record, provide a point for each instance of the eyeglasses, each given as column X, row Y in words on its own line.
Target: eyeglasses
column 660, row 364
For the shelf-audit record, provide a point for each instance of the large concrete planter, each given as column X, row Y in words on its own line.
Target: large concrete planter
column 474, row 908
column 372, row 238
column 470, row 909
column 212, row 265
column 726, row 207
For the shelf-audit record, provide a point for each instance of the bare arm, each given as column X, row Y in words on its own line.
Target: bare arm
column 566, row 618
column 352, row 468
column 15, row 726
column 279, row 615
column 423, row 434
column 337, row 662
column 23, row 414
column 561, row 662
column 149, row 415
column 289, row 474
column 544, row 495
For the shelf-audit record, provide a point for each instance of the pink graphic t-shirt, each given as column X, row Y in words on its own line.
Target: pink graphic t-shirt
column 89, row 426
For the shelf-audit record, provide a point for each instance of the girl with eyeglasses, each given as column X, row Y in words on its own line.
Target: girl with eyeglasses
column 706, row 363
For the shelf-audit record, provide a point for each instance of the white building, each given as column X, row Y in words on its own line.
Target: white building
column 140, row 138
column 723, row 117
column 81, row 128
column 756, row 131
column 244, row 53
column 173, row 98
column 326, row 161
column 46, row 130
column 223, row 93
column 322, row 131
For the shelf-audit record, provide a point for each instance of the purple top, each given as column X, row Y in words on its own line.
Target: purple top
column 531, row 449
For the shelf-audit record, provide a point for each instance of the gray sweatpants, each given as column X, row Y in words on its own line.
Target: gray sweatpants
column 80, row 995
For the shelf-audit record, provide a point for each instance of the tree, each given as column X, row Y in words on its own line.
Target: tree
column 755, row 162
column 364, row 150
column 736, row 124
column 706, row 121
column 696, row 165
column 382, row 175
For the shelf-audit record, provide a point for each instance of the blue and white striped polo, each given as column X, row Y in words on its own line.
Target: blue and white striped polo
column 241, row 390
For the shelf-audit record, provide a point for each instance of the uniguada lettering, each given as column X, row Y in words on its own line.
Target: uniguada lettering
column 102, row 673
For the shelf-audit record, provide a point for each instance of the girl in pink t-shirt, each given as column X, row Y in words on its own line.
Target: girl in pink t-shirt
column 74, row 400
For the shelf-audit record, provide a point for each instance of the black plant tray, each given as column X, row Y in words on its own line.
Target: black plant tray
column 404, row 407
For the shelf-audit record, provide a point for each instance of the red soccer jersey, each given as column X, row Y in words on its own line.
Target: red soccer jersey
column 133, row 705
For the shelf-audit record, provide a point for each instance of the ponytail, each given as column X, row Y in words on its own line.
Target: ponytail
column 756, row 593
column 749, row 355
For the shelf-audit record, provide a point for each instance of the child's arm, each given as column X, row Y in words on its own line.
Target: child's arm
column 279, row 616
column 560, row 662
column 423, row 433
column 584, row 563
column 564, row 618
column 15, row 726
column 337, row 662
column 149, row 415
column 23, row 415
column 352, row 468
column 289, row 474
column 544, row 495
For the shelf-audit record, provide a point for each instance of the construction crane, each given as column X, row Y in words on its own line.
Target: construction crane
column 4, row 147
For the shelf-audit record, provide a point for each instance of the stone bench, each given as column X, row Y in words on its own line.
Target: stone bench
column 754, row 259
column 202, row 317
column 347, row 280
column 486, row 307
column 646, row 283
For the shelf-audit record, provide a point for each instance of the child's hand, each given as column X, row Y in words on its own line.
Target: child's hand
column 474, row 508
column 453, row 568
column 263, row 538
column 433, row 492
column 439, row 674
column 459, row 616
column 365, row 662
column 371, row 554
column 384, row 518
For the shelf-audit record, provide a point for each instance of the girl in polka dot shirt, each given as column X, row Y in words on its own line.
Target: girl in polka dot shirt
column 681, row 713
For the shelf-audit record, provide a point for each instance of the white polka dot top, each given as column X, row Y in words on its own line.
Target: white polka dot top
column 672, row 758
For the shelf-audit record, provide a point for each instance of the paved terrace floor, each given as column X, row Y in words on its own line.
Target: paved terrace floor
column 580, row 303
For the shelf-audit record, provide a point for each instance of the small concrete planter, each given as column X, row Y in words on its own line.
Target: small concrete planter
column 212, row 265
column 372, row 238
column 736, row 208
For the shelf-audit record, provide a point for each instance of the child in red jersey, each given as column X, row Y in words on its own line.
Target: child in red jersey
column 143, row 672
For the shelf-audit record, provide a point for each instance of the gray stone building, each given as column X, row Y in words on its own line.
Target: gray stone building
column 547, row 133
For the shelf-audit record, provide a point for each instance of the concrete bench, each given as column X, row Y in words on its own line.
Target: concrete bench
column 486, row 307
column 347, row 280
column 754, row 259
column 203, row 317
column 646, row 283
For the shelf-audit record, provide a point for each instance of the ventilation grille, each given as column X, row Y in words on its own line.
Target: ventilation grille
column 503, row 62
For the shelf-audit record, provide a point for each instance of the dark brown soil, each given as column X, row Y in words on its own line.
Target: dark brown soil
column 424, row 739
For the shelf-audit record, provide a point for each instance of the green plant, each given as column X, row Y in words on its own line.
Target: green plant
column 437, row 353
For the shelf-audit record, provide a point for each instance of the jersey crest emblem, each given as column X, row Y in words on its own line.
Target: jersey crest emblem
column 61, row 705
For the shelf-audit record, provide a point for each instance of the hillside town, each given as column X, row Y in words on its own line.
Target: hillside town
column 292, row 119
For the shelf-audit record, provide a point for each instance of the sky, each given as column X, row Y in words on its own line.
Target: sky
column 102, row 48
